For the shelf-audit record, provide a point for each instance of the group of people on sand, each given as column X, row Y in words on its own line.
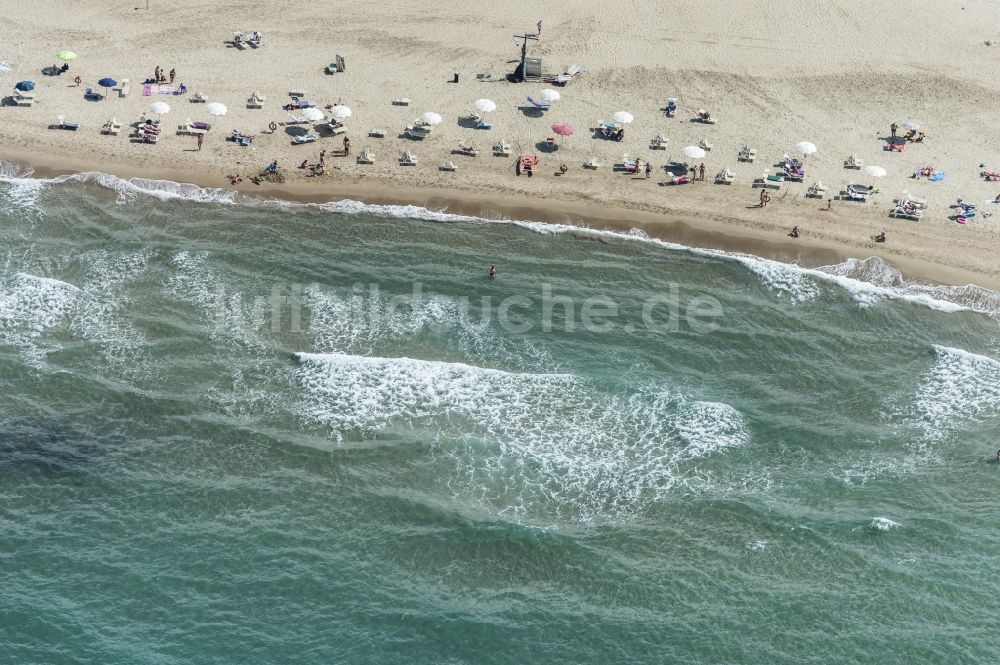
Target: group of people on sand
column 159, row 76
column 911, row 136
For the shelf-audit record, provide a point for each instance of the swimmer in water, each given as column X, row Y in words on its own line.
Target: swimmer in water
column 493, row 274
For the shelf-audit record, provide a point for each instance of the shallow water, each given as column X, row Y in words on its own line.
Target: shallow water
column 231, row 432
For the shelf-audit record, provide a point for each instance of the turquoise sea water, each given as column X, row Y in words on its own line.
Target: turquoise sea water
column 233, row 433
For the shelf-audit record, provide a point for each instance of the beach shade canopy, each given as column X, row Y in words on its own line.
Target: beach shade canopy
column 913, row 126
column 66, row 55
column 340, row 112
column 159, row 108
column 563, row 129
column 484, row 105
column 25, row 86
column 805, row 148
column 107, row 83
column 215, row 108
column 312, row 114
column 548, row 95
column 430, row 118
column 623, row 117
column 694, row 152
column 875, row 171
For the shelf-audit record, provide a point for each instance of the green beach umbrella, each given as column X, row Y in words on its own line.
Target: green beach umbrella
column 66, row 55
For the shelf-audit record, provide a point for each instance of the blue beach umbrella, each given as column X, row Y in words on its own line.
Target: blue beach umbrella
column 25, row 86
column 107, row 83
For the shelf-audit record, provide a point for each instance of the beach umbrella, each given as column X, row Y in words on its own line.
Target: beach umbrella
column 912, row 126
column 430, row 118
column 875, row 171
column 159, row 108
column 623, row 117
column 563, row 129
column 694, row 152
column 66, row 55
column 215, row 108
column 548, row 95
column 312, row 114
column 25, row 86
column 4, row 66
column 805, row 147
column 340, row 112
column 484, row 105
column 107, row 82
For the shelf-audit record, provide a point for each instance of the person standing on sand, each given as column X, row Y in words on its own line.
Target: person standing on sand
column 201, row 139
column 892, row 129
column 347, row 146
column 701, row 171
column 173, row 73
column 649, row 170
column 322, row 157
column 156, row 74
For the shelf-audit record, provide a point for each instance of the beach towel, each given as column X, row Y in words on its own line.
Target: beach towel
column 147, row 90
column 166, row 89
column 937, row 176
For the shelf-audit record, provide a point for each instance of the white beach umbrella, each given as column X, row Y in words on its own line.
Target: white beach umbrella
column 312, row 114
column 548, row 95
column 623, row 117
column 875, row 171
column 430, row 118
column 693, row 152
column 913, row 126
column 484, row 105
column 340, row 112
column 805, row 147
column 215, row 108
column 159, row 108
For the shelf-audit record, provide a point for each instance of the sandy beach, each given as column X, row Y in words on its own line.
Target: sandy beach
column 772, row 74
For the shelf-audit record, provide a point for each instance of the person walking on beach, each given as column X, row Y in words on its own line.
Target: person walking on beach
column 173, row 73
column 764, row 198
column 322, row 157
column 347, row 146
column 649, row 170
column 201, row 139
column 892, row 129
column 701, row 171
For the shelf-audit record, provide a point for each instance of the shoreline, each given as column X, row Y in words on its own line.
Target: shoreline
column 693, row 229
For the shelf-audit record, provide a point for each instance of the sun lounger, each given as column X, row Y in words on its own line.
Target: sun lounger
column 111, row 127
column 192, row 128
column 725, row 177
column 256, row 100
column 402, row 101
column 592, row 164
column 659, row 142
column 541, row 106
column 304, row 138
column 501, row 148
column 297, row 119
column 568, row 75
column 125, row 88
column 239, row 138
column 418, row 131
column 148, row 137
column 336, row 128
column 907, row 211
column 22, row 98
column 671, row 108
column 198, row 98
column 769, row 181
column 331, row 68
column 90, row 93
column 297, row 93
column 407, row 158
column 366, row 156
column 909, row 198
column 857, row 192
column 705, row 117
column 816, row 190
column 704, row 144
column 852, row 162
column 747, row 154
column 448, row 166
column 468, row 149
column 376, row 133
column 62, row 124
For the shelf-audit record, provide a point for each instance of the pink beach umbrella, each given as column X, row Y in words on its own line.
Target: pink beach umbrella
column 563, row 129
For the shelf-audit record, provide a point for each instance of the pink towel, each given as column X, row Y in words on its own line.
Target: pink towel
column 147, row 90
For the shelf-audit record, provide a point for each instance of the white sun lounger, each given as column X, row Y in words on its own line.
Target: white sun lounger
column 407, row 159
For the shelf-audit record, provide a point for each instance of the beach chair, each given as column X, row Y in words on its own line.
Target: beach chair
column 336, row 127
column 568, row 75
column 705, row 117
column 907, row 210
column 62, row 124
column 541, row 106
column 304, row 138
column 418, row 131
column 19, row 98
column 448, row 166
column 198, row 98
column 468, row 149
column 550, row 144
column 909, row 198
column 852, row 162
column 148, row 137
column 90, row 93
column 407, row 158
column 857, row 192
column 501, row 149
column 297, row 93
column 111, row 127
column 256, row 100
column 816, row 190
column 592, row 164
column 401, row 101
column 725, row 177
column 659, row 142
column 671, row 108
column 747, row 154
column 376, row 133
column 241, row 139
column 124, row 88
column 297, row 119
column 704, row 144
column 366, row 156
column 255, row 39
column 769, row 181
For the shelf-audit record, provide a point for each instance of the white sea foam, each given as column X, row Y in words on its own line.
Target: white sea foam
column 883, row 524
column 525, row 442
column 960, row 387
column 30, row 306
column 868, row 281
